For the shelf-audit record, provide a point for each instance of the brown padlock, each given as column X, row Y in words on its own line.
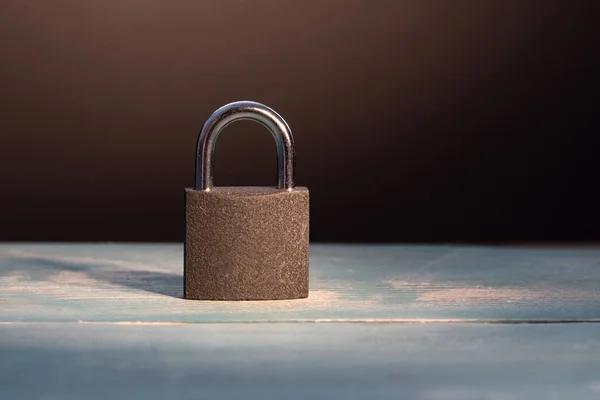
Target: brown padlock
column 246, row 243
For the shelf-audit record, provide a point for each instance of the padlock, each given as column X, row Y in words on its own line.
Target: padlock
column 246, row 243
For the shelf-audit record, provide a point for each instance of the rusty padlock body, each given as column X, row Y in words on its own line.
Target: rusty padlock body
column 246, row 243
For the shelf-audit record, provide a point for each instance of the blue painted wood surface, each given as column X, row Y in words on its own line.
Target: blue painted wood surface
column 107, row 321
column 71, row 361
column 110, row 282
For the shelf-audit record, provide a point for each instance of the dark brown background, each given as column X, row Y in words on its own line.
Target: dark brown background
column 414, row 120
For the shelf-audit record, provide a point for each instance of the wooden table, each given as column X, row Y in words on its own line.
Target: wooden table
column 106, row 321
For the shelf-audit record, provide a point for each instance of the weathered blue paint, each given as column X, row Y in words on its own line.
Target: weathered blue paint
column 70, row 361
column 70, row 326
column 110, row 282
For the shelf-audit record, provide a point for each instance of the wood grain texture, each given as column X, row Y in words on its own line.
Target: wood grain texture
column 128, row 283
column 71, row 361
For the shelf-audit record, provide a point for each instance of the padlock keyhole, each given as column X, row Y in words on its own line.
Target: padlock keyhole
column 245, row 155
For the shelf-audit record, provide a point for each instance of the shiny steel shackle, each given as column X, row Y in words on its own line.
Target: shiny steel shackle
column 245, row 110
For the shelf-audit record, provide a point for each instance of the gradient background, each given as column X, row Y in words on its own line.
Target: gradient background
column 415, row 121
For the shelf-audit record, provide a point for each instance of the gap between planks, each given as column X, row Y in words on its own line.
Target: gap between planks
column 317, row 321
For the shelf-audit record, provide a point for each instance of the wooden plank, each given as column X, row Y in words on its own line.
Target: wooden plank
column 110, row 282
column 299, row 361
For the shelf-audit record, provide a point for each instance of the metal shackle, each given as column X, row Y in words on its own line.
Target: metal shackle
column 245, row 110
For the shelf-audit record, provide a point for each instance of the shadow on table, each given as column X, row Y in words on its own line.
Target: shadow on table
column 162, row 283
